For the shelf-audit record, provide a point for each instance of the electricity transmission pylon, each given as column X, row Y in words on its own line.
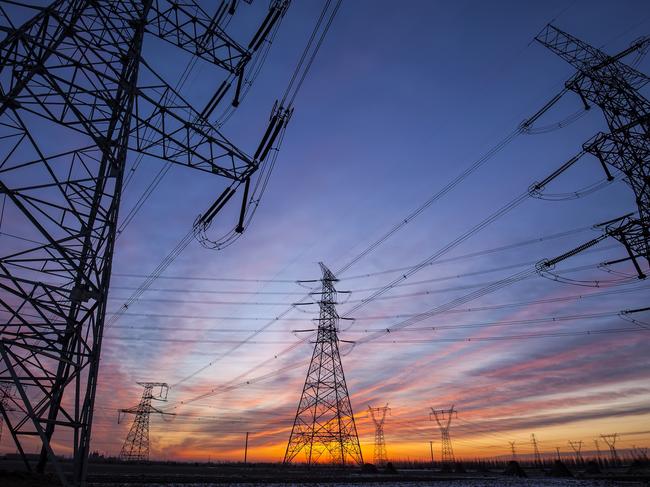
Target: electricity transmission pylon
column 443, row 417
column 610, row 440
column 537, row 455
column 614, row 87
column 324, row 420
column 577, row 447
column 76, row 98
column 136, row 444
column 378, row 416
column 513, row 450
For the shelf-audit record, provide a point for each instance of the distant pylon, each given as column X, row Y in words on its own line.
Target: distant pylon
column 611, row 443
column 324, row 420
column 577, row 446
column 513, row 450
column 443, row 418
column 538, row 457
column 378, row 416
column 136, row 444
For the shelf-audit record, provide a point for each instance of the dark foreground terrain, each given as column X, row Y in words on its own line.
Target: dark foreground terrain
column 113, row 474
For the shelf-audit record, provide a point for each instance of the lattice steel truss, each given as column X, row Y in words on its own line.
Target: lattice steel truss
column 136, row 444
column 536, row 454
column 71, row 110
column 614, row 87
column 378, row 416
column 443, row 417
column 610, row 440
column 324, row 421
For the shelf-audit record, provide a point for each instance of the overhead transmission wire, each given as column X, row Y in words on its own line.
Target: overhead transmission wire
column 426, row 292
column 354, row 290
column 479, row 253
column 241, row 381
column 403, row 315
column 489, row 324
column 488, row 289
column 186, row 240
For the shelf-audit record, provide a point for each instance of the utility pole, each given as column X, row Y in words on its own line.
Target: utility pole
column 443, row 417
column 246, row 449
column 378, row 416
column 136, row 444
column 611, row 443
column 576, row 446
column 324, row 420
column 431, row 448
column 513, row 450
column 77, row 101
column 557, row 449
column 538, row 457
column 614, row 87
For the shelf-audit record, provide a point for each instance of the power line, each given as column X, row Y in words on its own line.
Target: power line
column 522, row 336
column 437, row 327
column 240, row 381
column 353, row 290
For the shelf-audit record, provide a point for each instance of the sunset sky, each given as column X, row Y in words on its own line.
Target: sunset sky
column 402, row 97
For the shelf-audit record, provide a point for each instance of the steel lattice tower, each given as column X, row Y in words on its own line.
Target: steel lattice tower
column 443, row 417
column 378, row 416
column 614, row 87
column 76, row 97
column 538, row 457
column 577, row 448
column 513, row 450
column 136, row 444
column 610, row 440
column 324, row 420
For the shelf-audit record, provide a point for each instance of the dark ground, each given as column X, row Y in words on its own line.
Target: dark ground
column 107, row 474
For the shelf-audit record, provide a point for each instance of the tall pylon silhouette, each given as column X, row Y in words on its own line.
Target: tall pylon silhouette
column 136, row 444
column 538, row 457
column 324, row 421
column 443, row 418
column 513, row 449
column 378, row 416
column 611, row 443
column 577, row 448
